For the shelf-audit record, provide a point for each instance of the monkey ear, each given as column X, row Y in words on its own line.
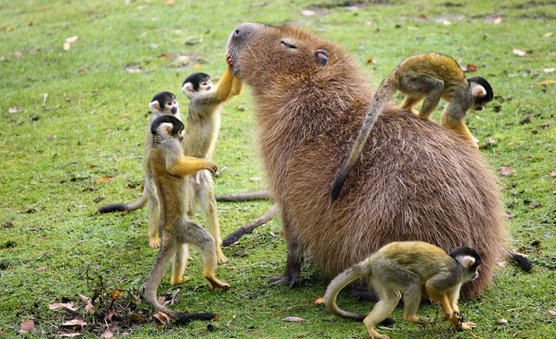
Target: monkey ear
column 478, row 91
column 322, row 57
column 467, row 261
column 155, row 107
column 188, row 89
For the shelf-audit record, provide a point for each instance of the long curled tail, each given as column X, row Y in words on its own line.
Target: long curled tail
column 383, row 95
column 338, row 283
column 126, row 207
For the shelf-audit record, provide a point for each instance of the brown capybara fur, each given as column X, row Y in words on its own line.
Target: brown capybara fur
column 415, row 180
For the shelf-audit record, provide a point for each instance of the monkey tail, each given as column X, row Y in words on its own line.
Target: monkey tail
column 338, row 283
column 383, row 95
column 521, row 260
column 126, row 207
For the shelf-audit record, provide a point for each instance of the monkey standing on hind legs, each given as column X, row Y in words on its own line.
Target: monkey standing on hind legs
column 163, row 103
column 431, row 76
column 402, row 268
column 170, row 168
column 203, row 125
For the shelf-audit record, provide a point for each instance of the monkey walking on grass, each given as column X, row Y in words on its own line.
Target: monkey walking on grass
column 170, row 169
column 402, row 269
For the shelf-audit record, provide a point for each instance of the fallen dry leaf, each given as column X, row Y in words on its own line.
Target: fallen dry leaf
column 508, row 215
column 83, row 69
column 169, row 3
column 370, row 61
column 553, row 173
column 107, row 334
column 72, row 39
column 548, row 34
column 519, row 52
column 229, row 322
column 498, row 20
column 109, row 315
column 10, row 28
column 67, row 46
column 255, row 179
column 549, row 70
column 506, row 170
column 308, row 12
column 446, row 22
column 75, row 322
column 197, row 66
column 18, row 54
column 101, row 179
column 116, row 294
column 70, row 335
column 132, row 68
column 319, row 301
column 164, row 56
column 547, row 82
column 293, row 319
column 501, row 264
column 551, row 312
column 423, row 17
column 12, row 110
column 163, row 318
column 471, row 68
column 27, row 326
column 502, row 321
column 68, row 306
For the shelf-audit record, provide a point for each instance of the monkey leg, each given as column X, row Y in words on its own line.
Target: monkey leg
column 295, row 253
column 154, row 214
column 208, row 205
column 179, row 265
column 457, row 124
column 389, row 298
column 197, row 236
column 412, row 299
column 410, row 101
column 439, row 295
column 434, row 91
column 166, row 251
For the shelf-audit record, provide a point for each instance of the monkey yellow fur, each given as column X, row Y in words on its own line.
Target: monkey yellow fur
column 203, row 125
column 170, row 169
column 403, row 268
column 430, row 76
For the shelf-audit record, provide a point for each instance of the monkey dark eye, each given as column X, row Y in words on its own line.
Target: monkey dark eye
column 288, row 45
column 204, row 83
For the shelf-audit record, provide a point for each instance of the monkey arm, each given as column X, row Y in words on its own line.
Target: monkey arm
column 237, row 86
column 189, row 165
column 222, row 92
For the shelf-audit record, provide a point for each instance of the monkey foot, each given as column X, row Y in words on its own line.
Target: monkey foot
column 222, row 258
column 154, row 242
column 215, row 283
column 374, row 334
column 178, row 281
column 467, row 325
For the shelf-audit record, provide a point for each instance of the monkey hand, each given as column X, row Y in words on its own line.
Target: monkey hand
column 229, row 61
column 211, row 166
column 467, row 325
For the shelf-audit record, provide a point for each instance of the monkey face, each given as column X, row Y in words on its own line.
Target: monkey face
column 171, row 107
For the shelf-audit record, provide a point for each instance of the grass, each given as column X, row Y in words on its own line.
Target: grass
column 70, row 117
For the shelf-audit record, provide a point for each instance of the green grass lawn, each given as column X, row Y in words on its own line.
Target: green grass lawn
column 71, row 117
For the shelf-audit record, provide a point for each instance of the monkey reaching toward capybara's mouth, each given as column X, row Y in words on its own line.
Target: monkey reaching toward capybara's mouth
column 415, row 180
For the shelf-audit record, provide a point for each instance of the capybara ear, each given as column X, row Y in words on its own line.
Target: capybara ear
column 322, row 57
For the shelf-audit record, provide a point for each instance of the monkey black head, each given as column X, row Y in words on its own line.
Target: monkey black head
column 167, row 125
column 481, row 91
column 196, row 82
column 469, row 259
column 164, row 103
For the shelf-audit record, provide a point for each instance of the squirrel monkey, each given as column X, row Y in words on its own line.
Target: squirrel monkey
column 203, row 125
column 402, row 268
column 430, row 76
column 163, row 103
column 170, row 168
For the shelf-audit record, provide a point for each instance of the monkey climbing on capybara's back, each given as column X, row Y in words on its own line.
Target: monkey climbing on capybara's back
column 415, row 180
